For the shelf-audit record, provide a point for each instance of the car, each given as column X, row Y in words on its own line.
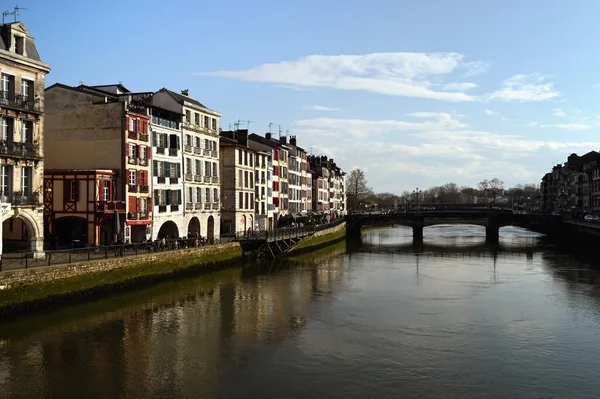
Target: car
column 589, row 217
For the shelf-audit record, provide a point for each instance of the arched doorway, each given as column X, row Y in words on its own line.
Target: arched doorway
column 210, row 231
column 69, row 231
column 250, row 223
column 168, row 230
column 243, row 224
column 194, row 229
column 16, row 235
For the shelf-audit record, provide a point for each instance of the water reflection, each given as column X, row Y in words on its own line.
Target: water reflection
column 451, row 316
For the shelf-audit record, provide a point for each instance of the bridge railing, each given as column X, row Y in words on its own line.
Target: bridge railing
column 285, row 233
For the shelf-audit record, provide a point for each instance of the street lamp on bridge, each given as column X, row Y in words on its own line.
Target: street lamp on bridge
column 417, row 192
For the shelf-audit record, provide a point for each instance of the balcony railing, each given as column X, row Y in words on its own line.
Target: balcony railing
column 132, row 215
column 206, row 179
column 143, row 137
column 132, row 188
column 173, row 152
column 132, row 135
column 197, row 150
column 143, row 161
column 161, row 180
column 12, row 148
column 189, row 206
column 143, row 215
column 110, row 206
column 198, row 205
column 206, row 152
column 187, row 148
column 189, row 177
column 197, row 178
column 174, row 207
column 162, row 208
column 207, row 205
column 160, row 150
column 144, row 189
column 215, row 179
column 19, row 101
column 132, row 160
column 20, row 198
column 173, row 180
column 215, row 154
column 215, row 205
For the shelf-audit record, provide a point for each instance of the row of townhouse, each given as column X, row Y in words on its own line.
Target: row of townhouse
column 573, row 187
column 91, row 165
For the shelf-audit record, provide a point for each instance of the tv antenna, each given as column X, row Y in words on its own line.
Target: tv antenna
column 248, row 122
column 270, row 124
column 15, row 13
column 279, row 130
column 236, row 125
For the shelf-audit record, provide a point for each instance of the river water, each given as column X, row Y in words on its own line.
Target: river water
column 451, row 317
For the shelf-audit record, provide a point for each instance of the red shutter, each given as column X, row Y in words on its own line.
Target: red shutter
column 139, row 205
column 127, row 123
column 138, row 177
column 127, row 149
column 132, row 204
column 148, row 152
column 138, row 151
column 146, row 178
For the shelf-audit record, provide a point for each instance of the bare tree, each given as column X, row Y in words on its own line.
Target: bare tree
column 496, row 188
column 357, row 188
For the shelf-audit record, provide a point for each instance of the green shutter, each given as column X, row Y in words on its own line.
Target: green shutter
column 178, row 142
column 167, row 169
column 178, row 170
column 154, row 142
column 155, row 168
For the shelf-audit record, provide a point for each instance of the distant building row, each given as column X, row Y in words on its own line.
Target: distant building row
column 573, row 187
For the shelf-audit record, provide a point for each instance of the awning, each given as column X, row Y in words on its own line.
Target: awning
column 138, row 222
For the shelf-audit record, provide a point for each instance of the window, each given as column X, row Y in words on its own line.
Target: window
column 216, row 195
column 241, row 201
column 132, row 151
column 188, row 118
column 188, row 140
column 132, row 125
column 198, row 194
column 26, row 89
column 196, row 118
column 7, row 86
column 214, row 169
column 27, row 131
column 132, row 177
column 7, row 129
column 214, row 123
column 72, row 190
column 26, row 180
column 19, row 44
column 143, row 152
column 207, row 195
column 206, row 122
column 188, row 166
column 106, row 190
column 6, row 175
column 144, row 205
column 198, row 167
column 247, row 203
column 206, row 168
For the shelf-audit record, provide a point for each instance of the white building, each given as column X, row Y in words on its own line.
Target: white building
column 200, row 139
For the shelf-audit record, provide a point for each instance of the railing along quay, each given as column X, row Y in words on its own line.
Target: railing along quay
column 26, row 260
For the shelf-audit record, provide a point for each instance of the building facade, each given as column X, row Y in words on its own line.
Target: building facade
column 102, row 127
column 22, row 143
column 200, row 162
column 238, row 165
column 80, row 209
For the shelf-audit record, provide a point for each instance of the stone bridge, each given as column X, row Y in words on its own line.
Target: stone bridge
column 491, row 219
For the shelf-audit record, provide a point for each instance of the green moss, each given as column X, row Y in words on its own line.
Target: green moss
column 23, row 297
column 316, row 242
column 335, row 249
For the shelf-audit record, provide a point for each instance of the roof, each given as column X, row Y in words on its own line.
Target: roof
column 181, row 98
column 30, row 48
column 123, row 89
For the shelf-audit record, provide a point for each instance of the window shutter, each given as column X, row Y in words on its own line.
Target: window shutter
column 154, row 139
column 139, row 205
column 127, row 123
column 149, row 200
column 178, row 170
column 167, row 169
column 127, row 149
column 138, row 151
column 66, row 184
column 155, row 168
column 178, row 142
column 76, row 190
column 138, row 177
column 132, row 204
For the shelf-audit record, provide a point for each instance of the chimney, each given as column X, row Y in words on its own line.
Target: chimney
column 185, row 92
column 293, row 140
column 283, row 140
column 268, row 136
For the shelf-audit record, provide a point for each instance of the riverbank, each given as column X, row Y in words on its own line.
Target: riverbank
column 35, row 289
column 319, row 240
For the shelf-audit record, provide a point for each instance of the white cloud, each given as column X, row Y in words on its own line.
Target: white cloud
column 490, row 112
column 569, row 126
column 525, row 88
column 532, row 124
column 320, row 108
column 396, row 74
column 596, row 86
column 559, row 112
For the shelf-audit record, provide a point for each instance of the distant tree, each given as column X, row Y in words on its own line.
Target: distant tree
column 356, row 188
column 496, row 188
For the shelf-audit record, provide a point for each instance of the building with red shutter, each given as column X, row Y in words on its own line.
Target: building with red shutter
column 104, row 128
column 80, row 208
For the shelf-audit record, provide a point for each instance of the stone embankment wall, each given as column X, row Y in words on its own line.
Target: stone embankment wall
column 319, row 240
column 9, row 279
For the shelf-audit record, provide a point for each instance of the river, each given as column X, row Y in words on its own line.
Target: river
column 451, row 317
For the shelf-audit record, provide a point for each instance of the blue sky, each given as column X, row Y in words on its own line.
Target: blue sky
column 414, row 93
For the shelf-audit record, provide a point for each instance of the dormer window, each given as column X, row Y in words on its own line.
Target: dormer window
column 19, row 44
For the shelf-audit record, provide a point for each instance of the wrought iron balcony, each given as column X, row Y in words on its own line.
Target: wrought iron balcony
column 19, row 101
column 198, row 205
column 206, row 152
column 20, row 198
column 143, row 137
column 132, row 188
column 215, row 179
column 110, row 206
column 197, row 178
column 206, row 179
column 189, row 177
column 132, row 135
column 160, row 150
column 161, row 180
column 197, row 150
column 16, row 149
column 189, row 206
column 173, row 180
column 132, row 160
column 174, row 207
column 162, row 208
column 187, row 148
column 173, row 152
column 207, row 205
column 132, row 215
column 143, row 162
column 144, row 189
column 143, row 215
column 215, row 205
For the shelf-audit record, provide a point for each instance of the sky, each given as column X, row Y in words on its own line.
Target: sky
column 415, row 93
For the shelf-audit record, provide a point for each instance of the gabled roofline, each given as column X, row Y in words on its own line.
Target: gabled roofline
column 191, row 105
